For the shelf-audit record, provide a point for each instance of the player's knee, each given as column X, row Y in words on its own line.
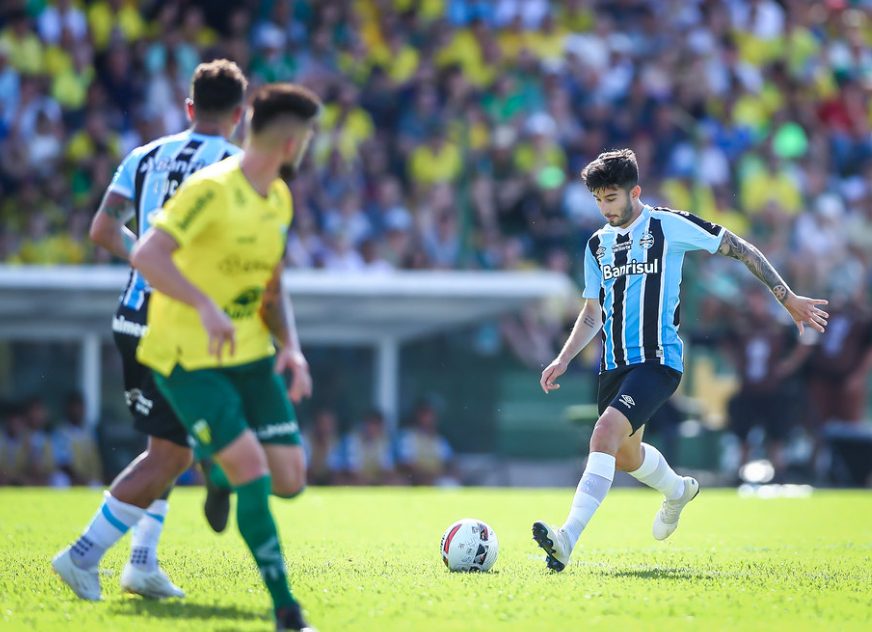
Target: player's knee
column 174, row 460
column 288, row 492
column 607, row 435
column 288, row 488
column 183, row 461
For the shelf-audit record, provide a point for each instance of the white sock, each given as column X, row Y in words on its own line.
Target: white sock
column 108, row 525
column 146, row 533
column 655, row 472
column 591, row 491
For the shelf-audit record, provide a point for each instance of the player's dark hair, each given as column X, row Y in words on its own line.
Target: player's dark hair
column 277, row 100
column 218, row 86
column 616, row 168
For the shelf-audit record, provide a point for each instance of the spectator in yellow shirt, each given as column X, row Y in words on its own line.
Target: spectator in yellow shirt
column 94, row 136
column 771, row 183
column 26, row 52
column 106, row 17
column 436, row 161
column 345, row 126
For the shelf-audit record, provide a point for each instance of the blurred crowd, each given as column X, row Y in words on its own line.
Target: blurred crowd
column 454, row 132
column 35, row 450
column 369, row 454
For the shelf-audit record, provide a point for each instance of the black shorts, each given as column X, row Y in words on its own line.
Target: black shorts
column 152, row 414
column 637, row 390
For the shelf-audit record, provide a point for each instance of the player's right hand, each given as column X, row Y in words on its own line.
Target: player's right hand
column 219, row 328
column 550, row 375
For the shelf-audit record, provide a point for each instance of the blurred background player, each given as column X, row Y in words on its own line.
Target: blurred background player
column 146, row 179
column 214, row 255
column 632, row 276
column 767, row 356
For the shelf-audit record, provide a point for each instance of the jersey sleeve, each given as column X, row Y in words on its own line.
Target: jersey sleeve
column 593, row 278
column 123, row 182
column 689, row 232
column 193, row 208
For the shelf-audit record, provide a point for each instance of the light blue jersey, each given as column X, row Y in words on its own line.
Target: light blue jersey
column 635, row 273
column 150, row 175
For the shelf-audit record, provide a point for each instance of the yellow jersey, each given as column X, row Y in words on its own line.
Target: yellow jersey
column 230, row 240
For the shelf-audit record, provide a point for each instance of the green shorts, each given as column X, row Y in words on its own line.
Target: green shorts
column 216, row 405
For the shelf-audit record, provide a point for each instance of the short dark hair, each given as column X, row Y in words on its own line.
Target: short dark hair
column 276, row 100
column 218, row 86
column 616, row 168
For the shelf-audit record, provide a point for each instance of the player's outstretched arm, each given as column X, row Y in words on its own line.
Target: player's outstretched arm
column 803, row 310
column 587, row 325
column 108, row 226
column 277, row 314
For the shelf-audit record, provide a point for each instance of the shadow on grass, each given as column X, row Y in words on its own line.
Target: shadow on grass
column 183, row 610
column 665, row 573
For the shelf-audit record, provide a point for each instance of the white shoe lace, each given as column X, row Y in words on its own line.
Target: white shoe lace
column 87, row 580
column 671, row 509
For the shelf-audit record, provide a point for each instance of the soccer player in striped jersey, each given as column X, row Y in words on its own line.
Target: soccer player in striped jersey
column 632, row 270
column 144, row 181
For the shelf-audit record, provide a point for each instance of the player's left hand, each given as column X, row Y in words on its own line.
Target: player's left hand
column 805, row 311
column 301, row 380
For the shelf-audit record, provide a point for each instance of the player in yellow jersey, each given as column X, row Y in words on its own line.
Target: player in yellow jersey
column 214, row 260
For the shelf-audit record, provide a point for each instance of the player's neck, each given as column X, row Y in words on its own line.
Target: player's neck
column 209, row 129
column 637, row 211
column 259, row 169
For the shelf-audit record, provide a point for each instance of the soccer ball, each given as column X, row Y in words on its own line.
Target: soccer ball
column 469, row 545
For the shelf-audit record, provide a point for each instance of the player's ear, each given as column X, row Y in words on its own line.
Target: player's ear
column 238, row 111
column 189, row 109
column 290, row 145
column 635, row 192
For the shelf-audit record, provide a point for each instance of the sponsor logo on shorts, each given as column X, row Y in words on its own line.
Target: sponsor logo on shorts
column 138, row 401
column 128, row 327
column 627, row 401
column 276, row 430
column 202, row 431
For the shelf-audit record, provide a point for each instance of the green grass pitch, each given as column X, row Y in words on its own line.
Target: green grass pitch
column 368, row 559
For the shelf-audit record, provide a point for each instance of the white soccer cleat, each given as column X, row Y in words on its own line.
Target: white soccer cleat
column 666, row 520
column 152, row 585
column 554, row 543
column 85, row 582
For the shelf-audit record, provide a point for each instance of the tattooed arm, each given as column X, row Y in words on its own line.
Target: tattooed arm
column 587, row 325
column 108, row 226
column 277, row 314
column 803, row 310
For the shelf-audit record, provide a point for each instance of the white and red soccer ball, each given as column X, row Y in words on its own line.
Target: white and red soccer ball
column 469, row 545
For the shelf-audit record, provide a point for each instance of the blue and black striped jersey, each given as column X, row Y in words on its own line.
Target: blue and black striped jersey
column 635, row 273
column 149, row 176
